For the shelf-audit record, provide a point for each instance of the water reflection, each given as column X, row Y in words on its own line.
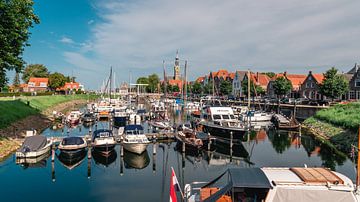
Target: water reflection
column 136, row 161
column 71, row 161
column 38, row 162
column 102, row 159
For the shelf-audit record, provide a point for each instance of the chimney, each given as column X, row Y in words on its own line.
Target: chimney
column 285, row 74
column 310, row 72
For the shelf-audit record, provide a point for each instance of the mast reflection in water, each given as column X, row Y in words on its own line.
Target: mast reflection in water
column 130, row 178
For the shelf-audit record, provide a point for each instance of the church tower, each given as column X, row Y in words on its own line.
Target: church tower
column 177, row 67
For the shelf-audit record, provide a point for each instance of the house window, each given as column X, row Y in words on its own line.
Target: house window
column 352, row 95
column 31, row 84
column 312, row 84
column 358, row 95
column 42, row 84
column 307, row 85
column 357, row 83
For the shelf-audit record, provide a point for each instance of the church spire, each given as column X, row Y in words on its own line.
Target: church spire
column 177, row 67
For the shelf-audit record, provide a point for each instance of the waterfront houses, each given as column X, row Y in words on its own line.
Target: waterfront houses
column 37, row 85
column 259, row 79
column 310, row 88
column 236, row 84
column 354, row 83
column 296, row 82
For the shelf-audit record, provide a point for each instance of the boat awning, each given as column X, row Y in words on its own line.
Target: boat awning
column 133, row 127
column 33, row 143
column 240, row 178
column 73, row 141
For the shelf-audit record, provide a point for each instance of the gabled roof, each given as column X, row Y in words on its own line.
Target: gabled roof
column 231, row 76
column 354, row 69
column 295, row 79
column 200, row 79
column 37, row 81
column 260, row 79
column 318, row 77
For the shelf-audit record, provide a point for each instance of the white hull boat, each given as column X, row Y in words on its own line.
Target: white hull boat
column 33, row 147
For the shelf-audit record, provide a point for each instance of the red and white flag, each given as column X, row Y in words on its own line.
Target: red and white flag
column 174, row 186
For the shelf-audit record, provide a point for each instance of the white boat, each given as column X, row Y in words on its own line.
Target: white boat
column 72, row 146
column 33, row 147
column 103, row 141
column 256, row 116
column 221, row 122
column 274, row 185
column 74, row 117
column 134, row 139
column 161, row 125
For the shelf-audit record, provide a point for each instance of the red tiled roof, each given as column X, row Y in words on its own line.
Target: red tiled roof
column 200, row 79
column 260, row 79
column 232, row 76
column 318, row 77
column 174, row 82
column 70, row 85
column 37, row 81
column 295, row 79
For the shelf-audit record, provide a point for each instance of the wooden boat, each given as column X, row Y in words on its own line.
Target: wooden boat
column 72, row 146
column 103, row 141
column 283, row 123
column 274, row 184
column 134, row 139
column 190, row 139
column 33, row 147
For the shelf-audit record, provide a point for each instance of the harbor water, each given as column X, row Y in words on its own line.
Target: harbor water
column 146, row 177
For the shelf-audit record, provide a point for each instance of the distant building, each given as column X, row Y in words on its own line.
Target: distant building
column 296, row 81
column 236, row 84
column 354, row 83
column 259, row 79
column 310, row 88
column 37, row 84
column 124, row 89
column 176, row 79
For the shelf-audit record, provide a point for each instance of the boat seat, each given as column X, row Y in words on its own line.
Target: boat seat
column 207, row 192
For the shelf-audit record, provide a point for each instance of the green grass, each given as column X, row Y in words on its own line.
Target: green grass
column 346, row 116
column 13, row 110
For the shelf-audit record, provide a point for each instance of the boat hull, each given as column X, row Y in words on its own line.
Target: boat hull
column 34, row 154
column 224, row 132
column 105, row 149
column 137, row 148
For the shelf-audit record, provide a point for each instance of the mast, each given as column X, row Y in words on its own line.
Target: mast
column 165, row 81
column 185, row 91
column 110, row 78
column 213, row 86
column 248, row 88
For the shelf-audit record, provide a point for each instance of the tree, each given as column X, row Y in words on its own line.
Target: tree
column 16, row 81
column 208, row 88
column 56, row 80
column 225, row 88
column 197, row 88
column 16, row 17
column 333, row 85
column 153, row 82
column 282, row 86
column 34, row 70
column 253, row 88
column 175, row 88
column 142, row 80
column 270, row 74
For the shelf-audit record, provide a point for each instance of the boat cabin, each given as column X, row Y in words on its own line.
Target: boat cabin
column 102, row 134
column 134, row 130
column 275, row 184
column 218, row 114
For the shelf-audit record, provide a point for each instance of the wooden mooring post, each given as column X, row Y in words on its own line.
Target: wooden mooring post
column 154, row 157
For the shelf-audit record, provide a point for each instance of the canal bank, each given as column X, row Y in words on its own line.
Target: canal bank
column 31, row 113
column 338, row 126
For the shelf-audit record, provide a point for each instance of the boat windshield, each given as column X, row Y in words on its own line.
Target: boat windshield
column 225, row 116
column 232, row 116
column 216, row 116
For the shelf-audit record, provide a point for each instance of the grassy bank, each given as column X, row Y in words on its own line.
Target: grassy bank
column 337, row 125
column 343, row 115
column 13, row 110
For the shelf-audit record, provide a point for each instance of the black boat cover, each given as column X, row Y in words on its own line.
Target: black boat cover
column 33, row 143
column 240, row 178
column 73, row 141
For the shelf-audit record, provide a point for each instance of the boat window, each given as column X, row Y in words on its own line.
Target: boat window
column 232, row 116
column 216, row 116
column 225, row 116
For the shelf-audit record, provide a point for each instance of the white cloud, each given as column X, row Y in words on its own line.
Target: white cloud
column 273, row 35
column 66, row 40
column 90, row 22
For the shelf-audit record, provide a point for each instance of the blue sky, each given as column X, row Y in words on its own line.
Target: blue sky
column 86, row 37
